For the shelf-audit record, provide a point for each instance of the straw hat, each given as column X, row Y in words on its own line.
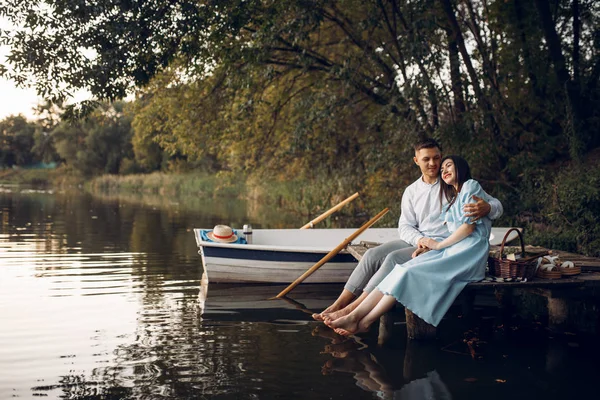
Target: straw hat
column 222, row 233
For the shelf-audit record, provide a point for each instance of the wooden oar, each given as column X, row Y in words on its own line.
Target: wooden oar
column 330, row 211
column 332, row 253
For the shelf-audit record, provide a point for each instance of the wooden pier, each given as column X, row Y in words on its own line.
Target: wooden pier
column 568, row 303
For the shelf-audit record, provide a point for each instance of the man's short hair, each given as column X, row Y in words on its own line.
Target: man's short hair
column 427, row 143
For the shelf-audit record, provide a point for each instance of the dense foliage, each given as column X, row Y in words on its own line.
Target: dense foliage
column 99, row 144
column 16, row 141
column 337, row 88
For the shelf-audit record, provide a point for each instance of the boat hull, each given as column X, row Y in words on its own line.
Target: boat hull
column 246, row 266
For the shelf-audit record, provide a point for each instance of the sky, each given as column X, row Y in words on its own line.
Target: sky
column 14, row 101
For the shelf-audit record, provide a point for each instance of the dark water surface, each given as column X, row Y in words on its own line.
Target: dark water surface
column 104, row 299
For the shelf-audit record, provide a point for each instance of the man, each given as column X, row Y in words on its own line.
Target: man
column 419, row 220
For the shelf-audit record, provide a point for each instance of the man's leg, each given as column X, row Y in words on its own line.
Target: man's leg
column 395, row 257
column 371, row 263
column 362, row 274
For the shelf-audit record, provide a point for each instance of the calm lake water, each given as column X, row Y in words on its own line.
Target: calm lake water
column 103, row 298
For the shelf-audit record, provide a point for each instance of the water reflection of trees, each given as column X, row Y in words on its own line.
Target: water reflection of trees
column 79, row 223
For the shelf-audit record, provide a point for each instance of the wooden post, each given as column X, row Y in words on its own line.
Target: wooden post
column 418, row 329
column 468, row 300
column 385, row 328
column 558, row 313
column 504, row 297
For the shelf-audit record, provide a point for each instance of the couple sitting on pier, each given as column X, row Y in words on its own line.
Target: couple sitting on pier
column 446, row 223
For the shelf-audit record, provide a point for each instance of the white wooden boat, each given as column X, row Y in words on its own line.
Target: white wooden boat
column 282, row 255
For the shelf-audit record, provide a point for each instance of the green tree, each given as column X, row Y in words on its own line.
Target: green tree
column 396, row 56
column 16, row 141
column 97, row 144
column 48, row 117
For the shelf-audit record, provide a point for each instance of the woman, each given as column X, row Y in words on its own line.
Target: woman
column 429, row 284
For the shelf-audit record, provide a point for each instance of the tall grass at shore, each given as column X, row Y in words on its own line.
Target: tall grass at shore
column 310, row 197
column 305, row 197
column 188, row 184
column 63, row 177
column 25, row 176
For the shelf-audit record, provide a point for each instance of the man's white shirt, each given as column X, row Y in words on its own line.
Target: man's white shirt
column 420, row 212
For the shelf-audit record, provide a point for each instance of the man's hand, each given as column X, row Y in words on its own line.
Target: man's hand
column 419, row 251
column 430, row 244
column 477, row 210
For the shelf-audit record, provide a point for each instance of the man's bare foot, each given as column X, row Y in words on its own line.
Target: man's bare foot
column 331, row 309
column 317, row 317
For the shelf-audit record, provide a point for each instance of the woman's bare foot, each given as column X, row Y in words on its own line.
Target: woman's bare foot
column 347, row 325
column 348, row 322
column 352, row 331
column 339, row 313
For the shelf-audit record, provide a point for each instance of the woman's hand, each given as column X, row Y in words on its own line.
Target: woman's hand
column 430, row 243
column 419, row 251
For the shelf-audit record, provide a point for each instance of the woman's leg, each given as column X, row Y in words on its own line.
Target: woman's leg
column 397, row 257
column 384, row 305
column 350, row 322
column 366, row 269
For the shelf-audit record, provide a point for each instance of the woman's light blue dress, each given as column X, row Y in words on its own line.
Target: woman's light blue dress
column 428, row 284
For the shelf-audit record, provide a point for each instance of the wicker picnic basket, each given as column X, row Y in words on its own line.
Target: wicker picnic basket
column 523, row 267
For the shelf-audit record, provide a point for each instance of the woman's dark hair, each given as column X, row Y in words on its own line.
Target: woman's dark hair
column 463, row 174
